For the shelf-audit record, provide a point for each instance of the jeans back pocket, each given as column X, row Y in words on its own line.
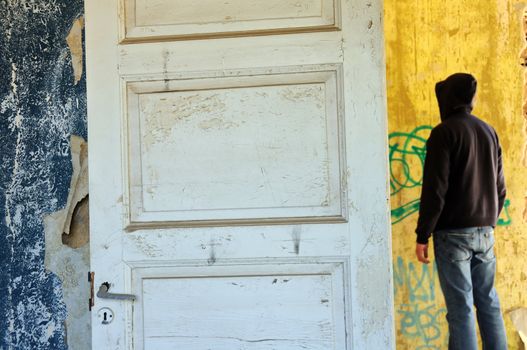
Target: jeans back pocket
column 453, row 246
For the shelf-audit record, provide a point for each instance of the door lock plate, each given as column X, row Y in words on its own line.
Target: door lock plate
column 105, row 315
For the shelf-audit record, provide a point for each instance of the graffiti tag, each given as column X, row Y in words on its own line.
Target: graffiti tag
column 422, row 322
column 407, row 152
column 419, row 281
column 420, row 318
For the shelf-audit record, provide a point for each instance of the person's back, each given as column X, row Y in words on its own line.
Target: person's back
column 475, row 188
column 463, row 193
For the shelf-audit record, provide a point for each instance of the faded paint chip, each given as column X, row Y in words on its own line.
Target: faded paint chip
column 74, row 40
column 79, row 229
column 79, row 179
column 216, row 124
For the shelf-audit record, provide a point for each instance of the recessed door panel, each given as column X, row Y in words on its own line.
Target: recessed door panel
column 184, row 19
column 227, row 150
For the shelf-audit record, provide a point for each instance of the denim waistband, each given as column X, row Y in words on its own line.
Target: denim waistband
column 467, row 230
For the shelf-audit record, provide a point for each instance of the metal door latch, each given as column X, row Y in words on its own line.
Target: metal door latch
column 103, row 293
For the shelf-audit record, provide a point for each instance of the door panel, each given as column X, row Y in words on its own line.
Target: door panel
column 259, row 147
column 267, row 309
column 168, row 19
column 238, row 182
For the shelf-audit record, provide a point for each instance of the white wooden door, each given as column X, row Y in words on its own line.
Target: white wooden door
column 238, row 174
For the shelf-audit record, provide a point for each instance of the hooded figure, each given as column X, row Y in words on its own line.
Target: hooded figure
column 463, row 184
column 462, row 195
column 455, row 94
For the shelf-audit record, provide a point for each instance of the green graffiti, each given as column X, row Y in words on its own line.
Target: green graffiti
column 407, row 149
column 505, row 218
column 407, row 159
column 400, row 213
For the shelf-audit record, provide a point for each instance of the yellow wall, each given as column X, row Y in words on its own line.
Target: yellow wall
column 426, row 40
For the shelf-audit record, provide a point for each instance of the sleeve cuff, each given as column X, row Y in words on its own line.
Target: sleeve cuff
column 422, row 238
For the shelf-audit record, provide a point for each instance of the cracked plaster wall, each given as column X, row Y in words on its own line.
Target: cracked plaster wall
column 42, row 104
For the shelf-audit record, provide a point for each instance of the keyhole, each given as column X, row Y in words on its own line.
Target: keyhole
column 105, row 315
column 106, row 318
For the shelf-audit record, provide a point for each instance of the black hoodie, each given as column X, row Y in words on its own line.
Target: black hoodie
column 463, row 184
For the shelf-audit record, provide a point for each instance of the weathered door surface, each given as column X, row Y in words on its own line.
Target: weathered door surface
column 238, row 174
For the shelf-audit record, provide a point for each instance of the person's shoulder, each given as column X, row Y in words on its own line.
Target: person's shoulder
column 464, row 123
column 483, row 124
column 442, row 128
column 441, row 133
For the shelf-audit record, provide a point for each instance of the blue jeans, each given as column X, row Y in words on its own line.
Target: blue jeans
column 466, row 266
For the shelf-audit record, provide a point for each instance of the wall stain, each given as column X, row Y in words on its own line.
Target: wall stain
column 212, row 253
column 296, row 235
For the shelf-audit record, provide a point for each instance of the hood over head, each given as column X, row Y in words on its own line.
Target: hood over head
column 455, row 94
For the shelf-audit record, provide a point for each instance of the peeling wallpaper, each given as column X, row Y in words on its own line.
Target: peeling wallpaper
column 41, row 106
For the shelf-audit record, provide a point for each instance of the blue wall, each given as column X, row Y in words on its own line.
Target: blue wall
column 40, row 107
